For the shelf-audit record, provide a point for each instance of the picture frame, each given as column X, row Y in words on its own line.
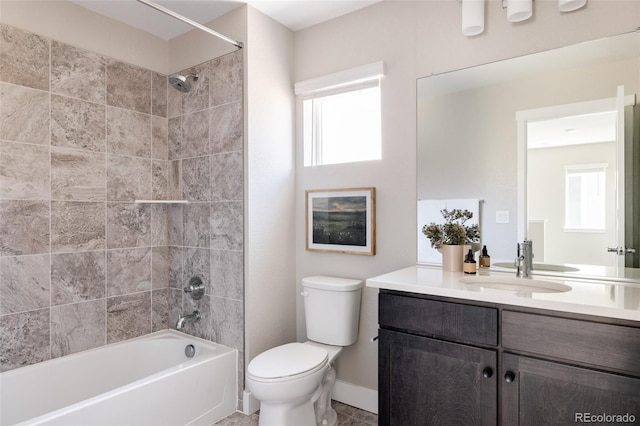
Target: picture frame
column 341, row 220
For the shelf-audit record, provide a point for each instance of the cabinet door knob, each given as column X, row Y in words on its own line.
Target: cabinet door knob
column 509, row 376
column 487, row 372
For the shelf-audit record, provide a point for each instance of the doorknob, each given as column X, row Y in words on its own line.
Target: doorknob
column 621, row 251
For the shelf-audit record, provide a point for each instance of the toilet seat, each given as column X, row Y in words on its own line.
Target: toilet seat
column 287, row 362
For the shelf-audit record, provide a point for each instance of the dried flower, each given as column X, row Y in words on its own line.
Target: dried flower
column 453, row 231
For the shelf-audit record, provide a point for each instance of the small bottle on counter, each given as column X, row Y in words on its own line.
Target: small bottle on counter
column 469, row 265
column 485, row 259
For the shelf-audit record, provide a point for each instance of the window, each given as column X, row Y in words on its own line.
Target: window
column 341, row 117
column 585, row 197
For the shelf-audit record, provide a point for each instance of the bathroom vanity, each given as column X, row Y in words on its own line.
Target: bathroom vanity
column 558, row 349
column 488, row 351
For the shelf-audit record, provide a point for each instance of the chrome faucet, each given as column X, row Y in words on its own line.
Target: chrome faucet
column 524, row 261
column 193, row 317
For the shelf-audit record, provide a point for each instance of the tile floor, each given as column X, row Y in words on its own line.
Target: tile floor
column 347, row 416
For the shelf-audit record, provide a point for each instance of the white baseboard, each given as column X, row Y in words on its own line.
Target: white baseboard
column 250, row 403
column 356, row 396
column 347, row 393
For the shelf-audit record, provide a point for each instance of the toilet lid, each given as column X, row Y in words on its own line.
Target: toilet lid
column 287, row 360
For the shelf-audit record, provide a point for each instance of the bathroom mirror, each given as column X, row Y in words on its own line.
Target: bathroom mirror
column 528, row 141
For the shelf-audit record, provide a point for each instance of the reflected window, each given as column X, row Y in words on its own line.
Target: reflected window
column 585, row 197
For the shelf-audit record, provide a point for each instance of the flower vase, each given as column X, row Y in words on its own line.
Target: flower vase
column 452, row 257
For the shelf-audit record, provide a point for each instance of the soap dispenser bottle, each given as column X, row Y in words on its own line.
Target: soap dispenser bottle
column 485, row 259
column 469, row 265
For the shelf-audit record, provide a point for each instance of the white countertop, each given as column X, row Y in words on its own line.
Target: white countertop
column 606, row 298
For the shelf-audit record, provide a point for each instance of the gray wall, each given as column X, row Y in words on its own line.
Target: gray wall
column 82, row 265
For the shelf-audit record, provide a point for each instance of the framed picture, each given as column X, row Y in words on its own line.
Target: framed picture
column 341, row 220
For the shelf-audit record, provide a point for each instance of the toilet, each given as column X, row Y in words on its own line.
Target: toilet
column 293, row 382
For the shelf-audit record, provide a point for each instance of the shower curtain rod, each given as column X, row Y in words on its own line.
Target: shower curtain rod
column 190, row 22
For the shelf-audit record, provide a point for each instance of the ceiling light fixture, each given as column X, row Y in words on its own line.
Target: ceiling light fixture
column 472, row 17
column 570, row 5
column 519, row 10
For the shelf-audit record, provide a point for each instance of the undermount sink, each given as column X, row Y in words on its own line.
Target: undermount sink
column 524, row 285
column 540, row 267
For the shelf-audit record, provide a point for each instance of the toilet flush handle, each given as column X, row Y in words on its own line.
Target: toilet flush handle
column 304, row 293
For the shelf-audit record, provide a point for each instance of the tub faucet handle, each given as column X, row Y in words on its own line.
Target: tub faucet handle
column 195, row 288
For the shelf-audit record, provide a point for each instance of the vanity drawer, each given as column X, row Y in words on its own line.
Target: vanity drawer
column 604, row 345
column 464, row 323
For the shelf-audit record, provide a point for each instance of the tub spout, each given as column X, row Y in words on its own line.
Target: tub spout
column 193, row 317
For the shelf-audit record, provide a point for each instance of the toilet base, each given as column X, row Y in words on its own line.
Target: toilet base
column 283, row 414
column 325, row 415
column 315, row 410
column 330, row 418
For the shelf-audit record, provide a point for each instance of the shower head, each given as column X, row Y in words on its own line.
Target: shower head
column 181, row 82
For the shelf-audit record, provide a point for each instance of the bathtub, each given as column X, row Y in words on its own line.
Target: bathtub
column 148, row 380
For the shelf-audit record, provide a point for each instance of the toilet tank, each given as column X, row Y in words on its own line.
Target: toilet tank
column 332, row 309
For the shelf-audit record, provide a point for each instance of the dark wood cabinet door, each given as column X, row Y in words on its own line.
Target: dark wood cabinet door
column 547, row 393
column 424, row 381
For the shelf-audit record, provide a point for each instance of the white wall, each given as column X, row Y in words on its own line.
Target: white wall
column 414, row 39
column 380, row 32
column 196, row 46
column 269, row 236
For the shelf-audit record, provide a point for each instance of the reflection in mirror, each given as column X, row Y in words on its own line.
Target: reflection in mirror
column 468, row 136
column 571, row 185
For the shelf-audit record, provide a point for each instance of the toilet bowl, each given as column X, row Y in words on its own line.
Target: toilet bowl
column 293, row 382
column 288, row 381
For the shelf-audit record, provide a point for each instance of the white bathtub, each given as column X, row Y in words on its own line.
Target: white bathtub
column 144, row 381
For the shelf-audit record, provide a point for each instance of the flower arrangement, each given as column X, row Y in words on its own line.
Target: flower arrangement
column 453, row 231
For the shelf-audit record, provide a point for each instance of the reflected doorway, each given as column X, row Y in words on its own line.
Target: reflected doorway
column 571, row 188
column 573, row 201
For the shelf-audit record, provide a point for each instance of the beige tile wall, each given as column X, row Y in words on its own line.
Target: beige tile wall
column 206, row 236
column 81, row 137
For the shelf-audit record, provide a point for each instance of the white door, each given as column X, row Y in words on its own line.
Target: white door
column 620, row 249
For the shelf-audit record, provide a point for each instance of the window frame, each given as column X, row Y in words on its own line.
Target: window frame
column 342, row 82
column 313, row 123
